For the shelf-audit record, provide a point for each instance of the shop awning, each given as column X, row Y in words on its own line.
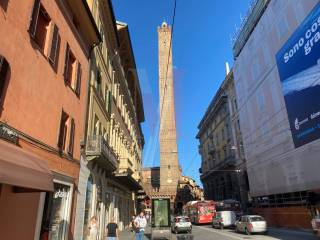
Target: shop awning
column 23, row 169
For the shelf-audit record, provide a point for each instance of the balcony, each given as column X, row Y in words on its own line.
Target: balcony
column 228, row 162
column 126, row 166
column 98, row 150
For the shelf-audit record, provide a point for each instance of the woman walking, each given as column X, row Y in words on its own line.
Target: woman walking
column 112, row 230
column 93, row 228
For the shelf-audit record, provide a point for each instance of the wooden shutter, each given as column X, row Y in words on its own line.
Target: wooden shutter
column 78, row 86
column 60, row 131
column 109, row 101
column 71, row 140
column 54, row 46
column 4, row 65
column 34, row 18
column 66, row 63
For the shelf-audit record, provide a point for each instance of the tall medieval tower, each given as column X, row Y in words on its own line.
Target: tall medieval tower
column 170, row 171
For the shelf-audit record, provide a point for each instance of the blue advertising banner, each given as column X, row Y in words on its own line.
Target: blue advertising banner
column 298, row 64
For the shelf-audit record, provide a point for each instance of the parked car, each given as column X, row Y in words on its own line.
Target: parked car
column 251, row 224
column 181, row 224
column 224, row 219
column 316, row 224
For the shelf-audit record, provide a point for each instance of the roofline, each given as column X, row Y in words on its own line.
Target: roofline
column 93, row 22
column 213, row 102
column 126, row 26
column 113, row 21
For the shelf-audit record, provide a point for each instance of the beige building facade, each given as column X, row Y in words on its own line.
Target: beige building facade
column 112, row 151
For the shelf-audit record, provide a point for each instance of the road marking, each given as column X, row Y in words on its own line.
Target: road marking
column 221, row 233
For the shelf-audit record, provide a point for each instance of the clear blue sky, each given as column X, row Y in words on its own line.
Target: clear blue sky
column 201, row 46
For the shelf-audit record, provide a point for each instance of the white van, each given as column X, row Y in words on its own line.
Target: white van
column 224, row 219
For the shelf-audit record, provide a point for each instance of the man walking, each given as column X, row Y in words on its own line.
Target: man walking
column 140, row 224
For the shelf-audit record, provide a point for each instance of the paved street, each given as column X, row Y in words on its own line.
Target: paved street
column 208, row 233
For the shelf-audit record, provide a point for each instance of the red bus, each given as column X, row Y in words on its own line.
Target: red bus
column 200, row 211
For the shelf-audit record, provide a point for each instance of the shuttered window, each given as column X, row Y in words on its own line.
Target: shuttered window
column 71, row 140
column 4, row 66
column 66, row 63
column 53, row 54
column 109, row 100
column 78, row 84
column 63, row 131
column 72, row 71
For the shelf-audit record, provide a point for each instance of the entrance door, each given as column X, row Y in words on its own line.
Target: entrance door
column 56, row 213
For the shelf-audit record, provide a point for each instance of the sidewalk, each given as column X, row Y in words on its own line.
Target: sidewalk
column 127, row 235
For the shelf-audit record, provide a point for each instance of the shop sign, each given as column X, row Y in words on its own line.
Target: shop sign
column 8, row 134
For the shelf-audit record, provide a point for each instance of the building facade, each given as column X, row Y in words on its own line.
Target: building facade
column 44, row 70
column 276, row 70
column 223, row 169
column 188, row 191
column 112, row 154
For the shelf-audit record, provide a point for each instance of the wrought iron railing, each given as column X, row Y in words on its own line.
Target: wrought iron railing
column 97, row 145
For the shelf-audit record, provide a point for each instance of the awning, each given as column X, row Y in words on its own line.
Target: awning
column 127, row 180
column 23, row 169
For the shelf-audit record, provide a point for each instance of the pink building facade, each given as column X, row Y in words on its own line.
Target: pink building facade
column 45, row 48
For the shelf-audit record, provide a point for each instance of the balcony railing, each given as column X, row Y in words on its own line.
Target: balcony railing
column 98, row 148
column 229, row 161
column 126, row 165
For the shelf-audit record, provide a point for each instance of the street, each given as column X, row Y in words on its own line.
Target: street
column 206, row 232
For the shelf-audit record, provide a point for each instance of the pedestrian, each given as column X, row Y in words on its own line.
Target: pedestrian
column 140, row 224
column 93, row 228
column 112, row 230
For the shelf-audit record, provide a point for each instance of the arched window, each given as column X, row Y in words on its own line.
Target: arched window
column 88, row 204
column 4, row 69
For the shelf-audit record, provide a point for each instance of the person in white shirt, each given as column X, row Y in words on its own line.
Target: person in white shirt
column 140, row 224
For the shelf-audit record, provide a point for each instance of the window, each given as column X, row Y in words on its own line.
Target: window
column 72, row 71
column 67, row 128
column 87, row 208
column 4, row 67
column 42, row 28
column 44, row 32
column 98, row 82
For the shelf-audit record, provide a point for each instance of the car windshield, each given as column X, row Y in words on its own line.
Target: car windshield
column 256, row 219
column 183, row 219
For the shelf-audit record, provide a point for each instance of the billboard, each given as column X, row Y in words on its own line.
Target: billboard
column 298, row 64
column 161, row 212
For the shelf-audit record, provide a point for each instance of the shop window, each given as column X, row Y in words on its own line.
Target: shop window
column 4, row 69
column 88, row 203
column 56, row 213
column 72, row 71
column 67, row 129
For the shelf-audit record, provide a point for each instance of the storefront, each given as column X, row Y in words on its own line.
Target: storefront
column 24, row 178
column 56, row 213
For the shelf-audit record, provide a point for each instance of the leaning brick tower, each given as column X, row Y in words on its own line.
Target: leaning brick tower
column 170, row 171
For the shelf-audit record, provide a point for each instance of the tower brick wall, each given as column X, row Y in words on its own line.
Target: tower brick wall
column 169, row 165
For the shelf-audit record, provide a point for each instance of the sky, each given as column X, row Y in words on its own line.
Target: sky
column 201, row 46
